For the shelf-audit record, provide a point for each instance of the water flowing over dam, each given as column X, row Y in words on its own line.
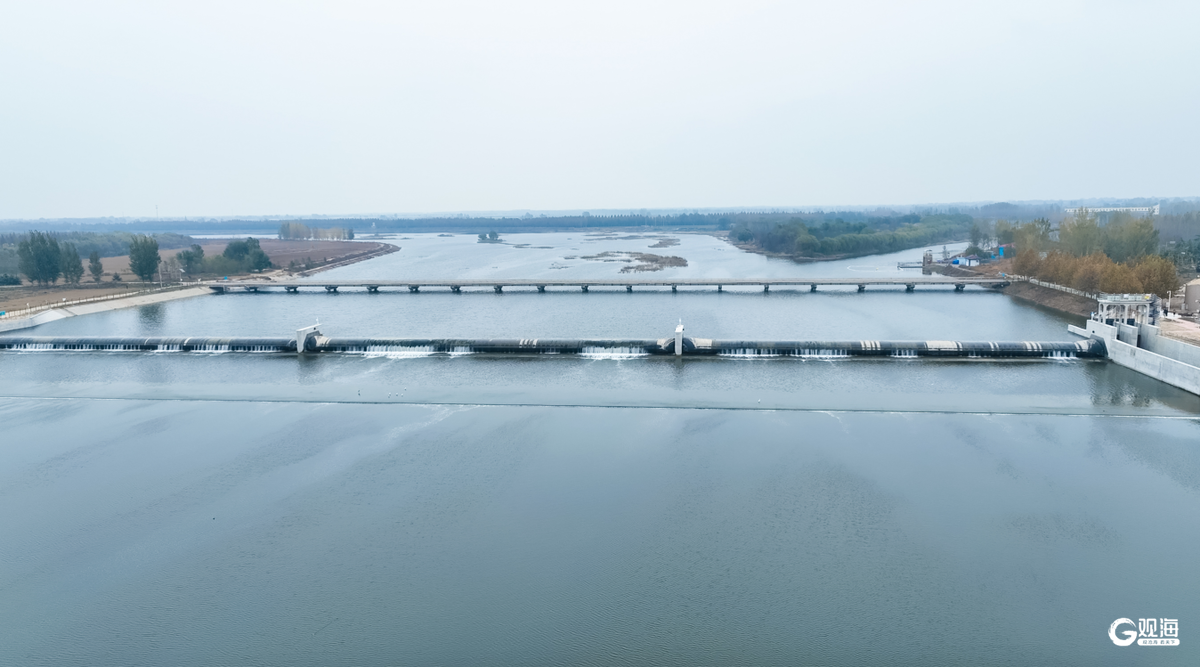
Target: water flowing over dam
column 316, row 344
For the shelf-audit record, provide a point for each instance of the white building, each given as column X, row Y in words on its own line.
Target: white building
column 1147, row 210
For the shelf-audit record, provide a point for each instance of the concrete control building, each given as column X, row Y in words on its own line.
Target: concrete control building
column 1191, row 297
column 1131, row 309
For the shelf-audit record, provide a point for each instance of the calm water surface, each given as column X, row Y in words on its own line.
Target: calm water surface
column 261, row 509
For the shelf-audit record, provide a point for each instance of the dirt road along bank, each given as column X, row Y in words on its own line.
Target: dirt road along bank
column 323, row 254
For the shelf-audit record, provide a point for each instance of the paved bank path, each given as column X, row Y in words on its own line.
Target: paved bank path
column 101, row 306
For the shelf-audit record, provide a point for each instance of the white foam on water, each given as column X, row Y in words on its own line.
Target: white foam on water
column 822, row 354
column 398, row 351
column 749, row 353
column 613, row 353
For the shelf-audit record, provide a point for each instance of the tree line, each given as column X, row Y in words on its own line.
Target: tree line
column 91, row 245
column 104, row 244
column 1118, row 258
column 809, row 239
column 242, row 256
column 43, row 259
column 301, row 231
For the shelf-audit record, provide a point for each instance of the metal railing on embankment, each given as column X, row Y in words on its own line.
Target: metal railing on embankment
column 65, row 303
column 1054, row 286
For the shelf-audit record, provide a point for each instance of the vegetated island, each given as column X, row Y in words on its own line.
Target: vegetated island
column 638, row 262
column 815, row 238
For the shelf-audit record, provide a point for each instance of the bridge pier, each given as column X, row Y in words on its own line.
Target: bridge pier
column 909, row 287
column 414, row 288
column 584, row 288
column 291, row 288
column 812, row 287
column 629, row 288
column 372, row 288
column 541, row 288
column 674, row 288
column 959, row 287
column 455, row 288
column 498, row 288
column 862, row 288
column 249, row 288
column 719, row 288
column 766, row 288
column 331, row 288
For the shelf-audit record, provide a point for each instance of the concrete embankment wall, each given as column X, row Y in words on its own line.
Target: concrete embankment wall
column 1172, row 367
column 27, row 322
column 1127, row 334
column 99, row 307
column 1177, row 373
column 1150, row 339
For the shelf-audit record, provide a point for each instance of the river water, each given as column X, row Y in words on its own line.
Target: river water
column 200, row 509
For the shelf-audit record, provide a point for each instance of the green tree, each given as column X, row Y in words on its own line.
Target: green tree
column 1081, row 235
column 40, row 258
column 192, row 260
column 1004, row 232
column 1033, row 236
column 237, row 250
column 1126, row 238
column 143, row 257
column 257, row 259
column 248, row 254
column 978, row 234
column 70, row 264
column 95, row 266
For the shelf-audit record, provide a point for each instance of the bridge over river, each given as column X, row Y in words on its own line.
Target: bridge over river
column 499, row 284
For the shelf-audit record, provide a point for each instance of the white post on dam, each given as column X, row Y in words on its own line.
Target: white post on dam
column 679, row 339
column 302, row 336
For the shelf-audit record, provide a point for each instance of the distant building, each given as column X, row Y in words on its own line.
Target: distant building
column 1148, row 210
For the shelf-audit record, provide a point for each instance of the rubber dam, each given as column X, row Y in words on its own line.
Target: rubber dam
column 682, row 346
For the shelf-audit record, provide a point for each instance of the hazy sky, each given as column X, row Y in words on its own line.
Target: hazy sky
column 223, row 108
